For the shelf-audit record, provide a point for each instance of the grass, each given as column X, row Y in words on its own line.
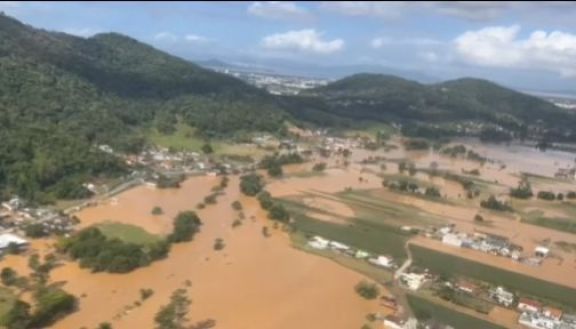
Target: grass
column 450, row 265
column 7, row 300
column 127, row 233
column 361, row 266
column 426, row 309
column 185, row 139
column 537, row 217
column 377, row 238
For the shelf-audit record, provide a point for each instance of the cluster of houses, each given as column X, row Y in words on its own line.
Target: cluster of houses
column 491, row 244
column 319, row 243
column 15, row 215
column 536, row 316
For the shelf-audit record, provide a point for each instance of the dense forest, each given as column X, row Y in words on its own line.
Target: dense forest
column 62, row 96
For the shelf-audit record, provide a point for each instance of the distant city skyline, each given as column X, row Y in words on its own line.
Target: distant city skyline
column 530, row 45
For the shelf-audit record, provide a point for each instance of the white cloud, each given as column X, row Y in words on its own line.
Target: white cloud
column 501, row 46
column 277, row 10
column 84, row 32
column 385, row 9
column 430, row 56
column 380, row 42
column 195, row 38
column 166, row 36
column 308, row 40
column 173, row 38
column 472, row 10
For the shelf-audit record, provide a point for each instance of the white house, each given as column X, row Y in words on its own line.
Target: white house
column 413, row 280
column 383, row 261
column 7, row 239
column 318, row 243
column 338, row 245
column 502, row 296
column 452, row 240
column 541, row 251
column 392, row 322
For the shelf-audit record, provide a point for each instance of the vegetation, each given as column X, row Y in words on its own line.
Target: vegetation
column 186, row 225
column 320, row 166
column 523, row 191
column 545, row 195
column 251, row 184
column 236, row 205
column 367, row 290
column 169, row 182
column 52, row 304
column 219, row 244
column 35, row 230
column 100, row 253
column 416, row 145
column 493, row 204
column 156, row 211
column 427, row 310
column 174, row 315
column 146, row 293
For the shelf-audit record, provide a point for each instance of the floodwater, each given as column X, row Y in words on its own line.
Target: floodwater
column 253, row 283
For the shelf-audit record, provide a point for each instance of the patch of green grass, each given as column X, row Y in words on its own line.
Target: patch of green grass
column 380, row 275
column 7, row 299
column 127, row 233
column 372, row 237
column 451, row 265
column 183, row 139
column 426, row 309
column 558, row 224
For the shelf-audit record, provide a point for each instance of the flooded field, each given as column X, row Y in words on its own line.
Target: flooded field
column 255, row 282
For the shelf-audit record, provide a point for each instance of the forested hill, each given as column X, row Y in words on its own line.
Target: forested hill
column 382, row 97
column 62, row 95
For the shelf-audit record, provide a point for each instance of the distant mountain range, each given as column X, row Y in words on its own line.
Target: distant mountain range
column 60, row 95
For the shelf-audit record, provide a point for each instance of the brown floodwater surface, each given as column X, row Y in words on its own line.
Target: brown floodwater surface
column 253, row 283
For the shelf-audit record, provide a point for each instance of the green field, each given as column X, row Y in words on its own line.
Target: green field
column 7, row 300
column 566, row 223
column 127, row 233
column 425, row 309
column 377, row 238
column 185, row 139
column 450, row 265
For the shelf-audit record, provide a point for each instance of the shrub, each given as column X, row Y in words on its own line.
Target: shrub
column 146, row 293
column 321, row 166
column 251, row 184
column 494, row 204
column 545, row 195
column 367, row 290
column 571, row 195
column 478, row 218
column 186, row 225
column 35, row 230
column 236, row 205
column 219, row 244
column 157, row 211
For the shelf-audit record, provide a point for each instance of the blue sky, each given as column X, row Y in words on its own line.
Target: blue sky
column 527, row 44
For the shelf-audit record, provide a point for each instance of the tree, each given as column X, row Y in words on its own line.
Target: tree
column 275, row 170
column 523, row 191
column 278, row 212
column 321, row 166
column 156, row 211
column 236, row 205
column 18, row 317
column 105, row 325
column 52, row 303
column 219, row 244
column 546, row 195
column 367, row 290
column 571, row 195
column 251, row 184
column 560, row 197
column 494, row 204
column 432, row 192
column 186, row 225
column 478, row 218
column 35, row 230
column 8, row 276
column 207, row 148
column 146, row 293
column 173, row 315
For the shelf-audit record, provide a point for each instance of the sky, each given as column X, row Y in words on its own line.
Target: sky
column 529, row 45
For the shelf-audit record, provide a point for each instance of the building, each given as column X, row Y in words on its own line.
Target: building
column 383, row 261
column 452, row 240
column 318, row 243
column 541, row 251
column 338, row 246
column 393, row 322
column 413, row 281
column 552, row 313
column 8, row 239
column 502, row 296
column 361, row 254
column 529, row 305
column 467, row 287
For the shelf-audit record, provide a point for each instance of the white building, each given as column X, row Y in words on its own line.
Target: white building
column 383, row 261
column 528, row 305
column 541, row 251
column 502, row 296
column 452, row 240
column 318, row 243
column 338, row 245
column 413, row 281
column 7, row 239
